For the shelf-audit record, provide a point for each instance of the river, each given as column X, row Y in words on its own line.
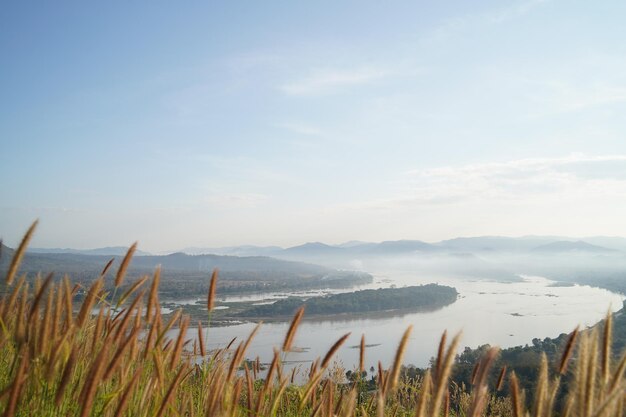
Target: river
column 487, row 312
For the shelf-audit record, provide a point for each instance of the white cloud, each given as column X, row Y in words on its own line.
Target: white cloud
column 576, row 177
column 332, row 80
column 519, row 179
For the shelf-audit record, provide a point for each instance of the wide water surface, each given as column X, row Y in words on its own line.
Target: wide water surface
column 497, row 313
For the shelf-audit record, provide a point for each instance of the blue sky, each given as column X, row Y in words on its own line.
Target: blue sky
column 205, row 124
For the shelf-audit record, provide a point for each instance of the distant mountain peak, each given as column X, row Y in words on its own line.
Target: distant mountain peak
column 313, row 246
column 569, row 246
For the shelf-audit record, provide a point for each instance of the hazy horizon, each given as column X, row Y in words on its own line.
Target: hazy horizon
column 220, row 125
column 301, row 243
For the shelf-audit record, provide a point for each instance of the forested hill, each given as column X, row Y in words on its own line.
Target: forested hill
column 186, row 275
column 422, row 297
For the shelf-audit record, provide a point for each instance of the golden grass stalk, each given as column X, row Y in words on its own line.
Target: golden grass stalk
column 554, row 391
column 85, row 309
column 15, row 292
column 121, row 272
column 239, row 356
column 121, row 328
column 479, row 395
column 250, row 390
column 20, row 322
column 381, row 376
column 606, row 347
column 277, row 398
column 618, row 374
column 440, row 355
column 154, row 291
column 92, row 380
column 117, row 357
column 170, row 392
column 269, row 380
column 175, row 317
column 69, row 307
column 19, row 253
column 131, row 290
column 501, row 376
column 123, row 403
column 592, row 375
column 44, row 333
column 362, row 354
column 210, row 302
column 42, row 289
column 310, row 387
column 291, row 333
column 201, row 340
column 178, row 347
column 235, row 398
column 442, row 377
column 515, row 397
column 567, row 352
column 420, row 410
column 334, row 348
column 57, row 311
column 541, row 394
column 233, row 361
column 107, row 267
column 66, row 376
column 397, row 363
column 348, row 405
column 18, row 381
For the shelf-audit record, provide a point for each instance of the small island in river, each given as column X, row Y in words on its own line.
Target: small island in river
column 416, row 298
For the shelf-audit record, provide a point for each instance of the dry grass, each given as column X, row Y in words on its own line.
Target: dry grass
column 57, row 358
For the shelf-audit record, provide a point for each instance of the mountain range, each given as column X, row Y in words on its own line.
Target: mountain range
column 477, row 245
column 484, row 244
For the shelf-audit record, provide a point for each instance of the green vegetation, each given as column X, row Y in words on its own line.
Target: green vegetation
column 422, row 297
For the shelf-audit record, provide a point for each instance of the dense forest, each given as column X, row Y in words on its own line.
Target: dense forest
column 422, row 297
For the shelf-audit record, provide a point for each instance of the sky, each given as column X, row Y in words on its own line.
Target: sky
column 211, row 124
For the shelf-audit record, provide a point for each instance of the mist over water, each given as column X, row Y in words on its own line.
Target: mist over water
column 487, row 312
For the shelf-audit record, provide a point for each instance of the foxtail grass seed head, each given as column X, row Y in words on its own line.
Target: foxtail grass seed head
column 362, row 354
column 397, row 363
column 210, row 303
column 19, row 253
column 334, row 348
column 107, row 267
column 121, row 272
column 291, row 333
column 500, row 382
column 567, row 352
